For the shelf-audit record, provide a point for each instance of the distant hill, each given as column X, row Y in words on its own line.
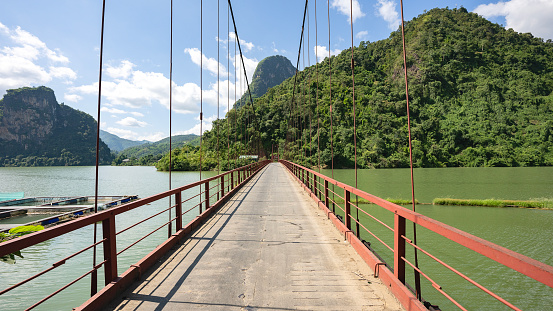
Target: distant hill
column 117, row 144
column 148, row 153
column 37, row 131
column 480, row 96
column 270, row 72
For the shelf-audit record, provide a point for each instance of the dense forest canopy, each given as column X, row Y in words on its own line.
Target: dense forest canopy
column 480, row 95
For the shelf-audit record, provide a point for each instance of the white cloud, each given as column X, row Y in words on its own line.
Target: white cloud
column 322, row 52
column 17, row 72
column 387, row 10
column 523, row 15
column 132, row 122
column 4, row 29
column 28, row 40
column 112, row 110
column 207, row 124
column 275, row 50
column 25, row 63
column 211, row 64
column 128, row 134
column 362, row 35
column 72, row 97
column 142, row 89
column 119, row 111
column 345, row 8
column 63, row 73
column 153, row 137
column 123, row 71
column 246, row 46
column 250, row 64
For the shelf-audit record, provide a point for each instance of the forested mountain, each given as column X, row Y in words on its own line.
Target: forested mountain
column 37, row 131
column 271, row 71
column 149, row 153
column 480, row 95
column 117, row 144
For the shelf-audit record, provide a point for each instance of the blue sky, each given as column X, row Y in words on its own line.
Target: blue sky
column 56, row 44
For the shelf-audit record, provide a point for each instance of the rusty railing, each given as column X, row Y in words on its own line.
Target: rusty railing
column 214, row 191
column 339, row 209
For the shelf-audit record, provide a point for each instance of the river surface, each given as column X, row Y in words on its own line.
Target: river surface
column 526, row 231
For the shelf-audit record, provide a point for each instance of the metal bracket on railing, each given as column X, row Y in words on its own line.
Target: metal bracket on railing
column 346, row 234
column 377, row 269
column 431, row 307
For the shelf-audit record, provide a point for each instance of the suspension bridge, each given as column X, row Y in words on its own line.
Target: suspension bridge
column 270, row 235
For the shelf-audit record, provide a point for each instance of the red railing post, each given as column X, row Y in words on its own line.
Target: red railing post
column 222, row 186
column 110, row 250
column 206, row 195
column 399, row 247
column 313, row 184
column 326, row 194
column 178, row 210
column 347, row 209
column 231, row 180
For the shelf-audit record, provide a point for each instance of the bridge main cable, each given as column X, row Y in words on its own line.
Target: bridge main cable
column 237, row 40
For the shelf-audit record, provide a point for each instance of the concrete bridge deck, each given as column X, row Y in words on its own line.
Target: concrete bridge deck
column 268, row 248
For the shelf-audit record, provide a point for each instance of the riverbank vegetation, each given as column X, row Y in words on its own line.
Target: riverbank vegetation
column 542, row 204
column 15, row 233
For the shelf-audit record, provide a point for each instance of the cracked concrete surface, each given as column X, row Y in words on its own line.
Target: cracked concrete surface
column 268, row 248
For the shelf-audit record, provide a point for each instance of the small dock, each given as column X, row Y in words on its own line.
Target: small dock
column 269, row 248
column 53, row 209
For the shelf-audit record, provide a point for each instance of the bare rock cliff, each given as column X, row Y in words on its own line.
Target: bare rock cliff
column 37, row 131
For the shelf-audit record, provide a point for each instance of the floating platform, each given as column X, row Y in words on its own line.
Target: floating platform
column 61, row 208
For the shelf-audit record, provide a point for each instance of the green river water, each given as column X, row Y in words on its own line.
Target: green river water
column 526, row 231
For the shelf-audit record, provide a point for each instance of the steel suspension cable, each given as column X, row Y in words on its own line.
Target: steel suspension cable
column 170, row 117
column 94, row 275
column 317, row 92
column 308, row 89
column 330, row 96
column 243, row 64
column 354, row 125
column 201, row 88
column 417, row 274
column 228, row 88
column 235, row 108
column 302, row 108
column 298, row 62
column 218, row 95
column 330, row 109
column 240, row 93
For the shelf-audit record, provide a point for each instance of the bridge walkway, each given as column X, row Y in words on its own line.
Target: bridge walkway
column 268, row 248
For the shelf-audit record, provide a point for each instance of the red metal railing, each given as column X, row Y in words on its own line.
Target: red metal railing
column 317, row 186
column 221, row 187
